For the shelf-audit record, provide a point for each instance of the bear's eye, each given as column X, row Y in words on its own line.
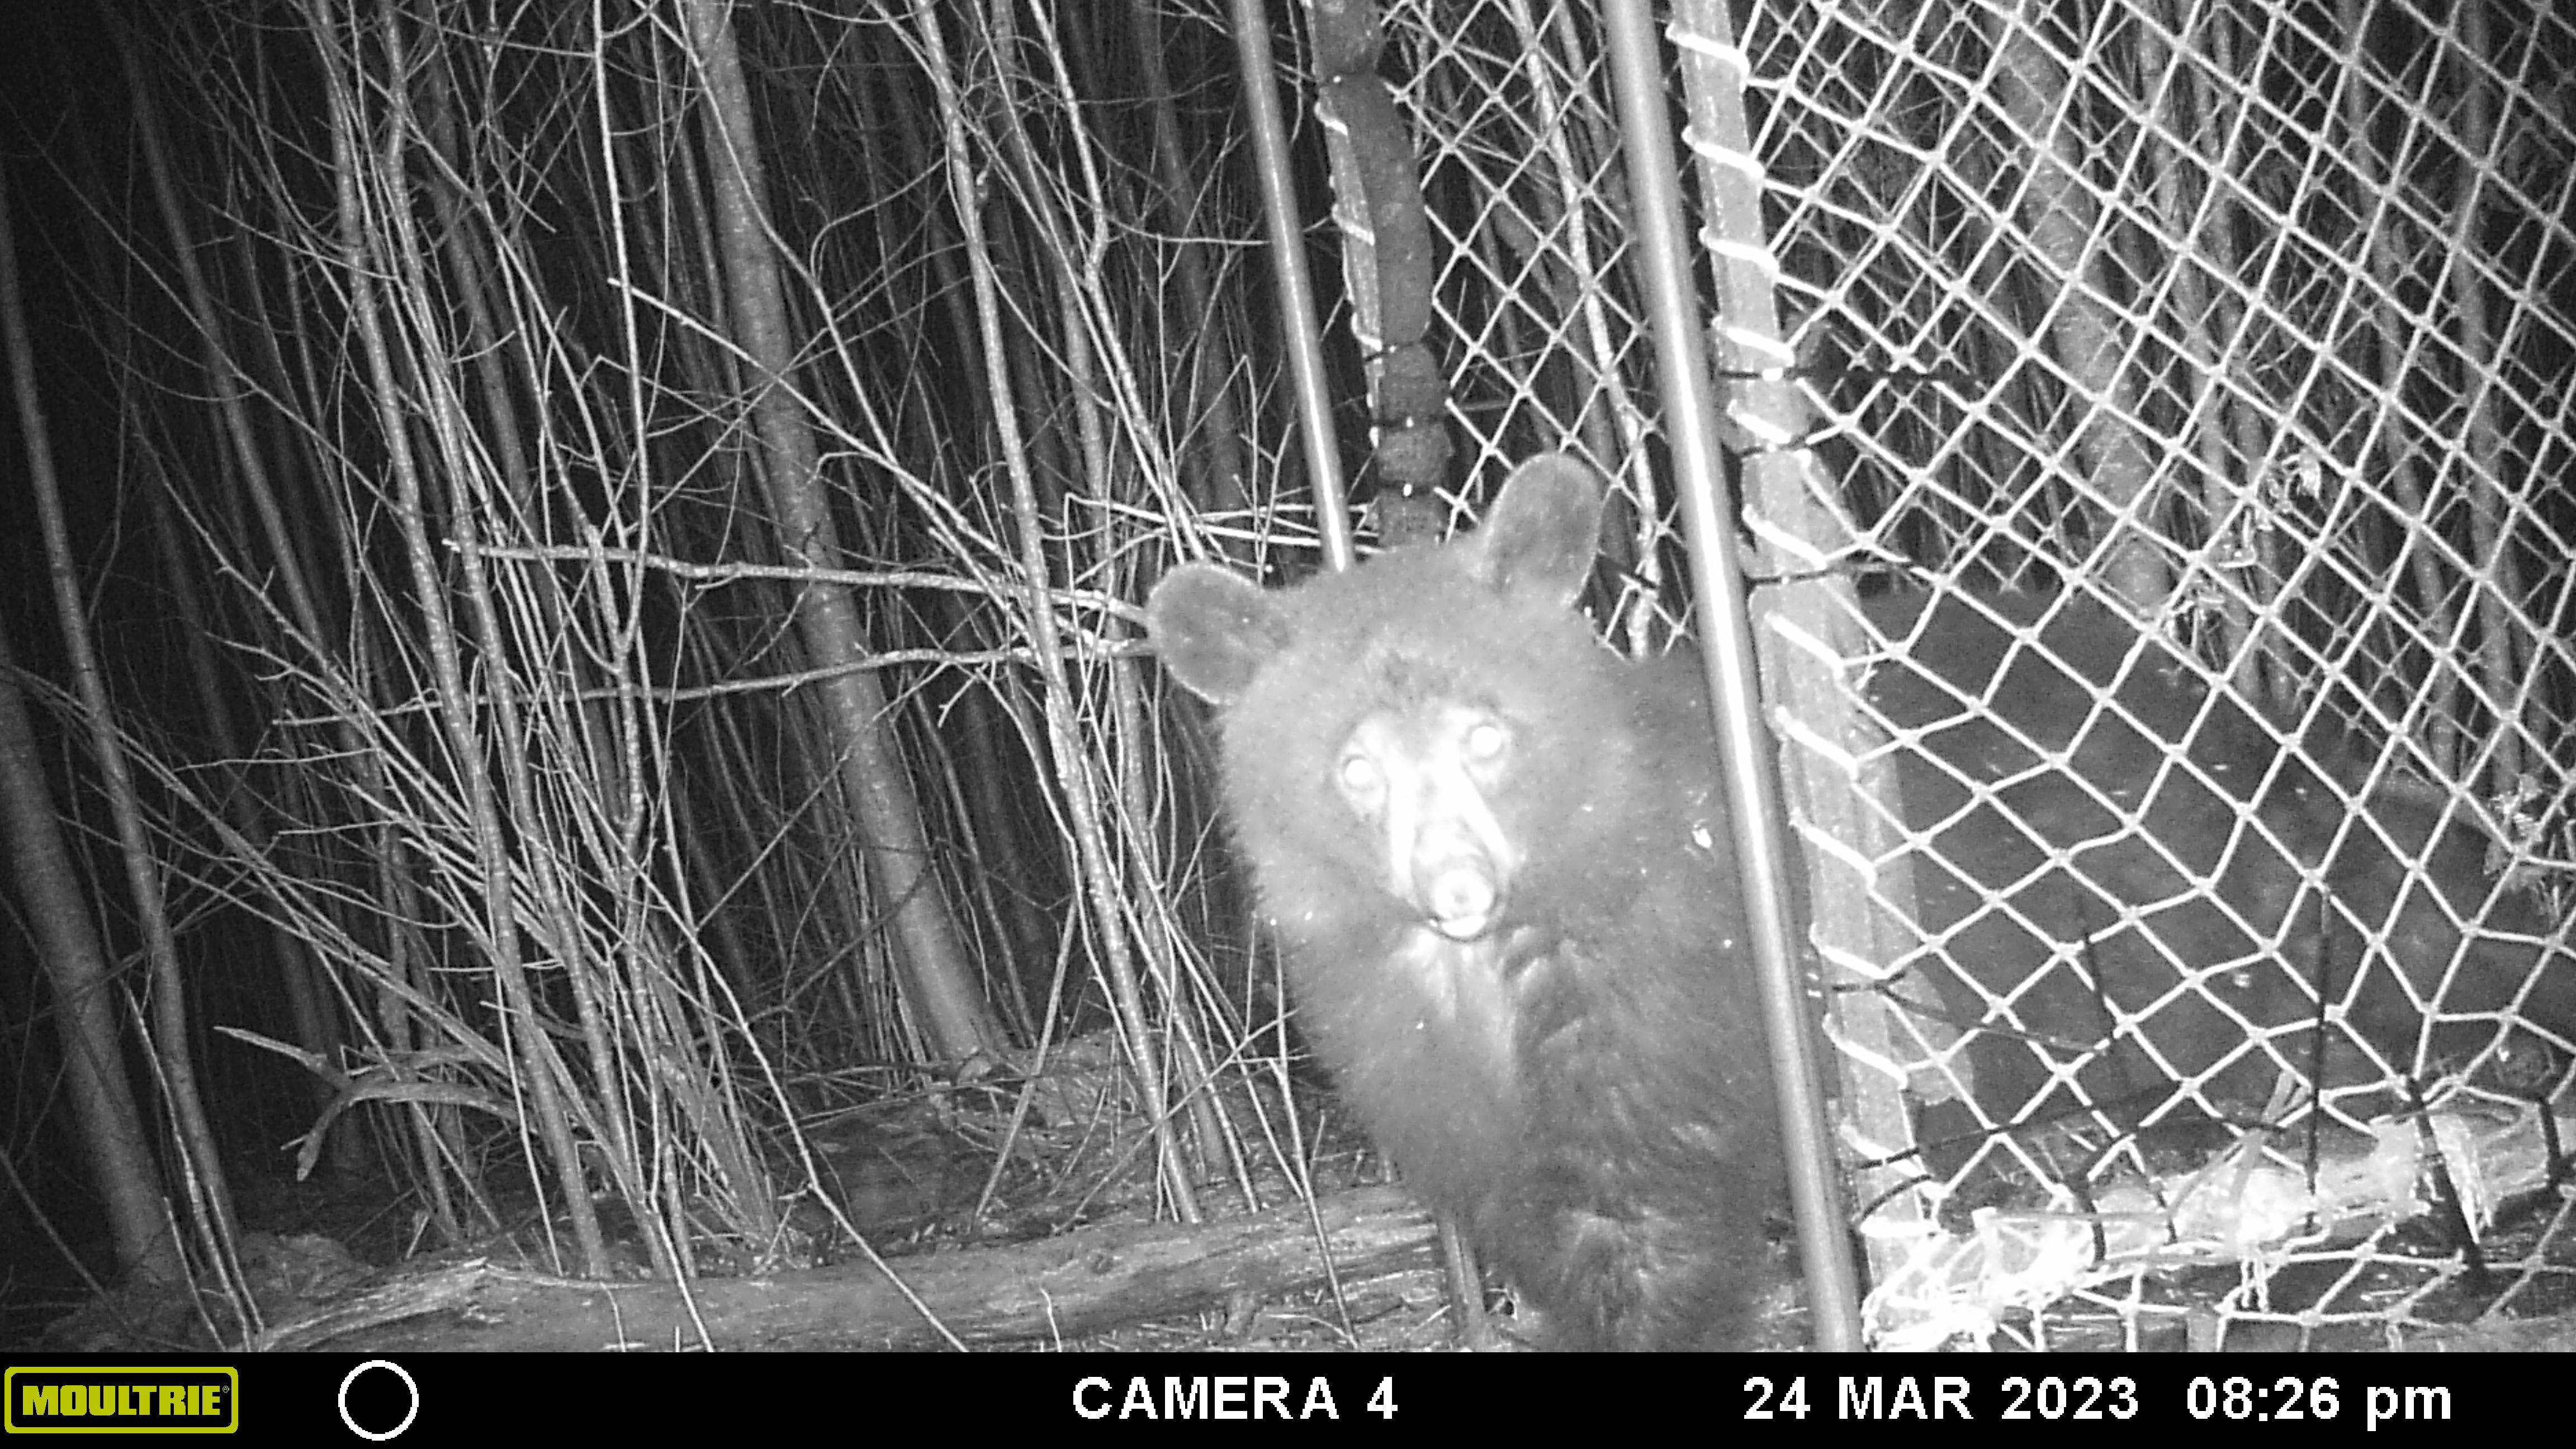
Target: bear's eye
column 1361, row 779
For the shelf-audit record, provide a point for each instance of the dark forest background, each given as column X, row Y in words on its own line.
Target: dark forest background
column 575, row 581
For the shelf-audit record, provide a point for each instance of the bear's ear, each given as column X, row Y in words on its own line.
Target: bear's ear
column 1544, row 528
column 1215, row 630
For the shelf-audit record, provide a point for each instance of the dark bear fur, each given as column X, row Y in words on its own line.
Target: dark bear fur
column 1543, row 1016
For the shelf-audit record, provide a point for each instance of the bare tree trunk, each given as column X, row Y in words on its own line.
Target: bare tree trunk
column 1220, row 477
column 2060, row 215
column 119, row 1155
column 938, row 985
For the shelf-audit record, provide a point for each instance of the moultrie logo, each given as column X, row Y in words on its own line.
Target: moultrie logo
column 112, row 1400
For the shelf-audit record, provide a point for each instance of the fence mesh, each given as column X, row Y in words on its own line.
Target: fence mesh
column 2190, row 445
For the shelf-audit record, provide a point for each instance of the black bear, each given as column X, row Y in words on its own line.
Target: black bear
column 1495, row 857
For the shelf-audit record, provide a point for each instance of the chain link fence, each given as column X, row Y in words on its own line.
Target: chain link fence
column 2181, row 503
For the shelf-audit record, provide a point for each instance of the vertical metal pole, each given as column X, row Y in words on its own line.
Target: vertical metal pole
column 1288, row 273
column 1303, row 336
column 1726, row 644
